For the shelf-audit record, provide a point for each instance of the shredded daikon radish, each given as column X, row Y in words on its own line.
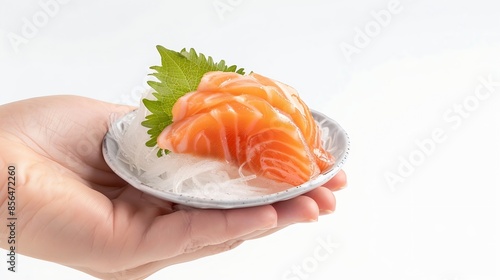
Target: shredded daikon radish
column 183, row 173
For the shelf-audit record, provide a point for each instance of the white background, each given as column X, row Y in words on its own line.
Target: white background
column 405, row 82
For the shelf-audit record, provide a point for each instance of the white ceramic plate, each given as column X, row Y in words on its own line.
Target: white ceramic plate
column 336, row 142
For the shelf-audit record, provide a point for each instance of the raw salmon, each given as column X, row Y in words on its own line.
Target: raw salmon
column 255, row 122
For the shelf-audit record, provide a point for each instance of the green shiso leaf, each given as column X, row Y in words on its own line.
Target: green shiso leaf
column 179, row 73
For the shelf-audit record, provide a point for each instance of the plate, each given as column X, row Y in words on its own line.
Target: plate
column 335, row 140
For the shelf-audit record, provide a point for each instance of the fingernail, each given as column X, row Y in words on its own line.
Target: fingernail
column 271, row 226
column 325, row 212
column 343, row 187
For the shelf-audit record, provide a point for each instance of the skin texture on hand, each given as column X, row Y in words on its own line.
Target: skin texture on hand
column 73, row 210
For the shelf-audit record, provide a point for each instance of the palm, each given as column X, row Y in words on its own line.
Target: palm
column 77, row 212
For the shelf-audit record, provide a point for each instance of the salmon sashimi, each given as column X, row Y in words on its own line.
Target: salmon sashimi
column 252, row 121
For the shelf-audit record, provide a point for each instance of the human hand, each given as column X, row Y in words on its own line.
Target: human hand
column 73, row 210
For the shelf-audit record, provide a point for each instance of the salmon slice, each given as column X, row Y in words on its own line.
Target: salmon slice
column 252, row 121
column 279, row 95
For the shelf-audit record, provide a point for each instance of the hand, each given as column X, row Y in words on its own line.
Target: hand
column 73, row 210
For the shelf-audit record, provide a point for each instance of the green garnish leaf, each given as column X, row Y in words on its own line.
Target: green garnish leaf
column 179, row 73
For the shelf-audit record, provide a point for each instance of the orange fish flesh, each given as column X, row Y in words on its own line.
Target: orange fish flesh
column 252, row 121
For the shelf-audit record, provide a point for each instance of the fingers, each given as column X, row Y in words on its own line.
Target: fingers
column 209, row 232
column 203, row 252
column 302, row 209
column 190, row 234
column 297, row 210
column 338, row 182
column 196, row 229
column 187, row 231
column 145, row 270
column 324, row 198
